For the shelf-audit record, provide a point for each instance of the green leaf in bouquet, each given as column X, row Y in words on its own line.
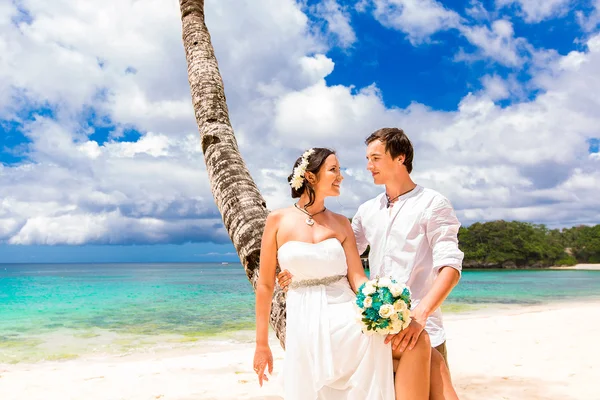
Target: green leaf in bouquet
column 384, row 323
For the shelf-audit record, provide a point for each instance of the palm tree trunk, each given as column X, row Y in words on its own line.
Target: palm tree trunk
column 242, row 206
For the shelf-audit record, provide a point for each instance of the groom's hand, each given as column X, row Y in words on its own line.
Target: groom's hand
column 284, row 278
column 407, row 338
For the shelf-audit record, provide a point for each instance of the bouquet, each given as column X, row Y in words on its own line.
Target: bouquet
column 384, row 306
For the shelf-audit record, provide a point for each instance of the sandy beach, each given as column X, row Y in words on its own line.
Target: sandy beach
column 588, row 267
column 534, row 352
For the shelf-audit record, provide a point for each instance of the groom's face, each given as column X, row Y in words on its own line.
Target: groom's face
column 380, row 163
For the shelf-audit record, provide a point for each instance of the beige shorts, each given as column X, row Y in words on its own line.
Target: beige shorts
column 442, row 349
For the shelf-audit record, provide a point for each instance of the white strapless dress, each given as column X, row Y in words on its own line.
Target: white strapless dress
column 327, row 357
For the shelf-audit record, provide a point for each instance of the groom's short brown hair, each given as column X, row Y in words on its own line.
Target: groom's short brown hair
column 396, row 143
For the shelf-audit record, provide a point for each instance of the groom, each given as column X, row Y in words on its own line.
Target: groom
column 412, row 232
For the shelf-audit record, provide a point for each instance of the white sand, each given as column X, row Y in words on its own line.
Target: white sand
column 589, row 267
column 542, row 352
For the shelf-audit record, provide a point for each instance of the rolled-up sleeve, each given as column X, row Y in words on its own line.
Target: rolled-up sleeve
column 442, row 234
column 359, row 232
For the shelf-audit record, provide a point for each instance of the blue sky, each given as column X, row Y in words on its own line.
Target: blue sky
column 99, row 152
column 429, row 73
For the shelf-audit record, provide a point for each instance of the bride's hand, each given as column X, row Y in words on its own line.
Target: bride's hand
column 263, row 358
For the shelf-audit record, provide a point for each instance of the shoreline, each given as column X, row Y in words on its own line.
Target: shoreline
column 539, row 351
column 581, row 267
column 73, row 344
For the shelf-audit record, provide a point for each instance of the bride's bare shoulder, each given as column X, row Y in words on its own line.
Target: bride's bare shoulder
column 342, row 221
column 340, row 218
column 342, row 227
column 279, row 214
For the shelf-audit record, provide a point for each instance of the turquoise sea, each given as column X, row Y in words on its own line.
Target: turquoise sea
column 61, row 311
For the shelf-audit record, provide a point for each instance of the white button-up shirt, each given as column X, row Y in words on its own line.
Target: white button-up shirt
column 410, row 242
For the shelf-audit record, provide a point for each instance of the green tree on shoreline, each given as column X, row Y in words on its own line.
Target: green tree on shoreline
column 514, row 244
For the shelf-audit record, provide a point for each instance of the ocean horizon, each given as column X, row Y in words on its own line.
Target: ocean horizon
column 62, row 311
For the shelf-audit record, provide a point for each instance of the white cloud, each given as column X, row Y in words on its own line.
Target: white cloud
column 334, row 113
column 317, row 67
column 477, row 11
column 112, row 228
column 362, row 5
column 572, row 61
column 79, row 53
column 536, row 11
column 497, row 43
column 528, row 160
column 422, row 19
column 419, row 19
column 337, row 19
column 509, row 88
column 496, row 87
column 149, row 191
column 133, row 71
column 592, row 20
column 593, row 44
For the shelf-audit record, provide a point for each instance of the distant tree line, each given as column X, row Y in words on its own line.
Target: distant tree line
column 502, row 244
column 514, row 244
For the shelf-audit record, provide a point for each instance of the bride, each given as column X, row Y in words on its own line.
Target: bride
column 327, row 356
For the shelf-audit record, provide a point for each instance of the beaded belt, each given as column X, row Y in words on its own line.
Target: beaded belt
column 315, row 282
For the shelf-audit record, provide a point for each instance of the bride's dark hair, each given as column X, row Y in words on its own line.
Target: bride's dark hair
column 315, row 162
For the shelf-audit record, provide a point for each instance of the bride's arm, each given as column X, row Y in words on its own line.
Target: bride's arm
column 264, row 295
column 356, row 272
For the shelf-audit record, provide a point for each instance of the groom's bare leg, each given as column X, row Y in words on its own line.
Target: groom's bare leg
column 441, row 383
column 413, row 370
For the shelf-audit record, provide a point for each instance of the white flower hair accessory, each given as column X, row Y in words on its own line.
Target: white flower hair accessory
column 300, row 170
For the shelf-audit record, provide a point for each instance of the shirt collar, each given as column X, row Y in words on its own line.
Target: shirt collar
column 414, row 192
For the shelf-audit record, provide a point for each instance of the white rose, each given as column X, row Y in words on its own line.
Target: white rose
column 368, row 289
column 399, row 306
column 396, row 325
column 396, row 289
column 393, row 320
column 384, row 282
column 386, row 311
column 368, row 301
column 406, row 318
